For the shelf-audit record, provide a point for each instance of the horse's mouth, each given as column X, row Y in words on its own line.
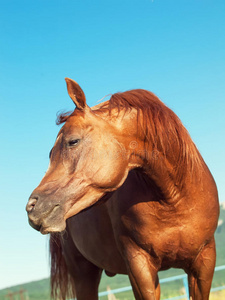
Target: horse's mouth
column 33, row 225
column 48, row 228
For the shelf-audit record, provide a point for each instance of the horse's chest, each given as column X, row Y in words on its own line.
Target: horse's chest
column 94, row 238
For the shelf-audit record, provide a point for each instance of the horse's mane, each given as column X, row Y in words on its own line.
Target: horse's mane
column 160, row 125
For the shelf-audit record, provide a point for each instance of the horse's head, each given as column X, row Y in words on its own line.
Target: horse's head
column 87, row 161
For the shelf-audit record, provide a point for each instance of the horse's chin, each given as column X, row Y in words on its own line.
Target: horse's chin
column 52, row 229
column 45, row 228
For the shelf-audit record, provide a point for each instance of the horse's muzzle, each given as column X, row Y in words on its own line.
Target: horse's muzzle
column 45, row 216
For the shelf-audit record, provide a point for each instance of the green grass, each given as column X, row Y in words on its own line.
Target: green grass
column 37, row 290
column 40, row 290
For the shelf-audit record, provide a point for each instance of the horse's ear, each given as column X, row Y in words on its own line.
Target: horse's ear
column 76, row 93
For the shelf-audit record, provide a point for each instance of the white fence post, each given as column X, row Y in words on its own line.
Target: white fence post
column 185, row 282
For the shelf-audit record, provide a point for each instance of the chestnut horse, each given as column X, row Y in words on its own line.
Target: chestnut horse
column 157, row 200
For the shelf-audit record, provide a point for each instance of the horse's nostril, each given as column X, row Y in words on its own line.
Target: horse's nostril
column 31, row 204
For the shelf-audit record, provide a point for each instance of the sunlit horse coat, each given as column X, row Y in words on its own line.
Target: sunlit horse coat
column 158, row 204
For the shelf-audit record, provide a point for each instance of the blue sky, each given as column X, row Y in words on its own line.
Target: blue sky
column 174, row 48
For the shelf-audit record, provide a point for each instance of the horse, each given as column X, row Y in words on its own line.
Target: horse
column 127, row 192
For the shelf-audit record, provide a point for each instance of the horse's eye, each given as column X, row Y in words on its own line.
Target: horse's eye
column 50, row 153
column 73, row 142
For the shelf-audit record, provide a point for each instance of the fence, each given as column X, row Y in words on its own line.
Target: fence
column 169, row 279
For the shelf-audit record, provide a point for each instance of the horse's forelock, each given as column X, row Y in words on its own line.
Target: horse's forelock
column 62, row 117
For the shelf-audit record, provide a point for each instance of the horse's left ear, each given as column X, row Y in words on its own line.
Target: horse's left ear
column 76, row 94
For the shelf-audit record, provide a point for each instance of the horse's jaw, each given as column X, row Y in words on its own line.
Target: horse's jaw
column 89, row 195
column 87, row 200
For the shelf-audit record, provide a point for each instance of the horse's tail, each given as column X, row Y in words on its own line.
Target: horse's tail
column 62, row 283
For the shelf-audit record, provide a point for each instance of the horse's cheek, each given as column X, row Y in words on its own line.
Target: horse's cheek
column 110, row 177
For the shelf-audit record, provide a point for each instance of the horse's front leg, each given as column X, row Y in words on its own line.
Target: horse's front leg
column 201, row 273
column 86, row 275
column 142, row 273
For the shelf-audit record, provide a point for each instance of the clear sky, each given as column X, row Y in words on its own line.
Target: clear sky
column 175, row 48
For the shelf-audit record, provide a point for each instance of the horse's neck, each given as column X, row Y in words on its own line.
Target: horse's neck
column 162, row 171
column 171, row 172
column 172, row 176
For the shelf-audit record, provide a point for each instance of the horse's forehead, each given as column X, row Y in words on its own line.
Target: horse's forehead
column 77, row 124
column 85, row 122
column 75, row 120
